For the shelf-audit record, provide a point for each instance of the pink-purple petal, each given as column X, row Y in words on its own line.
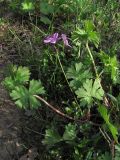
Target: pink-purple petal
column 65, row 40
column 52, row 39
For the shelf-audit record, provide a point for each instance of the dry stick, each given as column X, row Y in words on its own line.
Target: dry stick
column 63, row 114
column 53, row 108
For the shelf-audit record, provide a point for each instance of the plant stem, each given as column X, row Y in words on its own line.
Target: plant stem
column 53, row 108
column 66, row 77
column 80, row 121
column 92, row 59
column 95, row 69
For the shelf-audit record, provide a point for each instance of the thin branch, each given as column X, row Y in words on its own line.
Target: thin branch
column 63, row 114
column 53, row 108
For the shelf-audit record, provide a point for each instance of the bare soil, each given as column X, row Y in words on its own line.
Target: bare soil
column 11, row 119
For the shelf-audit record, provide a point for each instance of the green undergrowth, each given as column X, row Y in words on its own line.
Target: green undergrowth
column 75, row 79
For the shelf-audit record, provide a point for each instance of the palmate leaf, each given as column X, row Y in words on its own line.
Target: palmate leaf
column 51, row 137
column 21, row 96
column 18, row 76
column 93, row 36
column 88, row 33
column 104, row 114
column 35, row 88
column 70, row 132
column 24, row 98
column 90, row 91
column 22, row 75
column 9, row 83
column 77, row 74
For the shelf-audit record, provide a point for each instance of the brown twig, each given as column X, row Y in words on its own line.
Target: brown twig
column 53, row 108
column 63, row 114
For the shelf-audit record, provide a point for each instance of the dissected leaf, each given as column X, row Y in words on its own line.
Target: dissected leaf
column 18, row 76
column 51, row 137
column 88, row 33
column 36, row 87
column 21, row 96
column 22, row 75
column 77, row 74
column 70, row 132
column 24, row 98
column 97, row 91
column 89, row 91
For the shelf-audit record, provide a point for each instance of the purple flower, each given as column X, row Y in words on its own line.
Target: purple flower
column 65, row 40
column 53, row 39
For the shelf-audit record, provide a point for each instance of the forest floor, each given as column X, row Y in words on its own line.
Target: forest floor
column 9, row 120
column 12, row 146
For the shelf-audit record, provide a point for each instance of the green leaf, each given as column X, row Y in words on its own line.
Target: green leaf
column 9, row 83
column 105, row 156
column 97, row 91
column 79, row 35
column 46, row 8
column 114, row 131
column 78, row 74
column 51, row 137
column 89, row 26
column 117, row 152
column 22, row 75
column 94, row 38
column 27, row 5
column 21, row 96
column 70, row 132
column 18, row 76
column 104, row 114
column 36, row 87
column 111, row 65
column 89, row 91
column 45, row 20
column 114, row 68
column 24, row 98
column 114, row 99
column 88, row 33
